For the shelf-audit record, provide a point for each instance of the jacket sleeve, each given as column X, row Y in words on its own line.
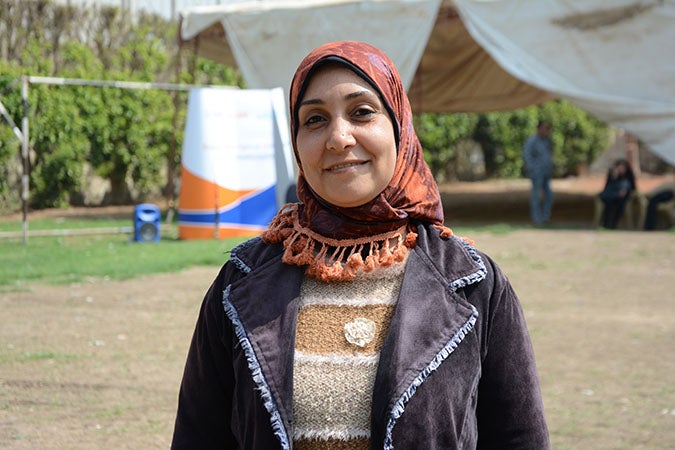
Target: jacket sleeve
column 510, row 408
column 204, row 401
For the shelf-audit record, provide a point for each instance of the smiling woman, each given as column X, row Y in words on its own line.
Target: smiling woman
column 358, row 320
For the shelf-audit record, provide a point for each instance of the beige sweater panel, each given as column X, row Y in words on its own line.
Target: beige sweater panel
column 340, row 332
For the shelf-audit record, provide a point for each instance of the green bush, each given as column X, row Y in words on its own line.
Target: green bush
column 577, row 138
column 439, row 135
column 127, row 136
column 59, row 147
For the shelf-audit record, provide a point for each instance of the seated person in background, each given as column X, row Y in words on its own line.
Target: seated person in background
column 661, row 194
column 619, row 186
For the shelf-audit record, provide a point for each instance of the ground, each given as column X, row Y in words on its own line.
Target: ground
column 98, row 364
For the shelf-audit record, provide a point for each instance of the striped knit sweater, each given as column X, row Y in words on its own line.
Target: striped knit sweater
column 340, row 332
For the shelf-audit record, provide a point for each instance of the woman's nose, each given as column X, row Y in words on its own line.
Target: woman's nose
column 340, row 135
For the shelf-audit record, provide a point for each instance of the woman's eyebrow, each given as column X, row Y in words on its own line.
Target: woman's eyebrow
column 318, row 101
column 357, row 94
column 311, row 101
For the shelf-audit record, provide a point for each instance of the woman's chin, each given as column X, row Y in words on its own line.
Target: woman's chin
column 350, row 201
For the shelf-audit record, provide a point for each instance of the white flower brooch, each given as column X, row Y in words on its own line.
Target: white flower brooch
column 360, row 331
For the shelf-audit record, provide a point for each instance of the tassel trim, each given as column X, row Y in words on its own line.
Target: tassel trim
column 336, row 259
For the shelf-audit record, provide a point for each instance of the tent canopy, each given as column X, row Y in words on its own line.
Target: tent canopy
column 471, row 55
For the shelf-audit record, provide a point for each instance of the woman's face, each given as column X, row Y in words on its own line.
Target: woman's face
column 345, row 138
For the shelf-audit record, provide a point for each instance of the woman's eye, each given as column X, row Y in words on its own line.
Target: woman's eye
column 363, row 113
column 313, row 120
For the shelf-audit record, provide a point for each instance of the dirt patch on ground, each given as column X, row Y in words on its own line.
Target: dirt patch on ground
column 98, row 364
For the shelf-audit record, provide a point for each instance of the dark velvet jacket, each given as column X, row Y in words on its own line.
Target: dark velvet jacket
column 456, row 370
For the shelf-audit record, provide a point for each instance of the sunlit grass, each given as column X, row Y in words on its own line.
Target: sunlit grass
column 71, row 257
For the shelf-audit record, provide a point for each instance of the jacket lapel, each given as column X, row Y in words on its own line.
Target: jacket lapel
column 270, row 329
column 429, row 322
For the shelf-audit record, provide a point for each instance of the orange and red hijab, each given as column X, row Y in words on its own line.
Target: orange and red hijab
column 332, row 240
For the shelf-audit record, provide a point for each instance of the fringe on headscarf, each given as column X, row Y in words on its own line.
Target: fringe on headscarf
column 447, row 232
column 336, row 259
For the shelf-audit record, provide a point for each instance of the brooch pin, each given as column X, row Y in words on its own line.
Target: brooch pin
column 360, row 331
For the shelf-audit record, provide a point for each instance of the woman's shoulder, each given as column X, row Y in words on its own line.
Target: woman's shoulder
column 254, row 252
column 244, row 258
column 455, row 257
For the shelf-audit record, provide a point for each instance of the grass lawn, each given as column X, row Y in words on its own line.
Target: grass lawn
column 68, row 256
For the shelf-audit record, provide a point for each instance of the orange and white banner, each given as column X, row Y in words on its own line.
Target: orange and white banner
column 235, row 162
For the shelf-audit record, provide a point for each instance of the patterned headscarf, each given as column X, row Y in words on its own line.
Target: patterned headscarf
column 331, row 240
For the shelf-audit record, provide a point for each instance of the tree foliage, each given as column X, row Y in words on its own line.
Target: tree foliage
column 126, row 136
column 577, row 138
column 440, row 135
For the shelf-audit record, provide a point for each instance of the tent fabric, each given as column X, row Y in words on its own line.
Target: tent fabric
column 609, row 58
column 612, row 59
column 269, row 39
column 454, row 73
column 457, row 75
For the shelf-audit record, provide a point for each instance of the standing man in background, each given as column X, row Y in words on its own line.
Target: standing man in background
column 537, row 154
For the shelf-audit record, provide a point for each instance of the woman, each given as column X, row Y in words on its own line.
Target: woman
column 619, row 186
column 660, row 195
column 357, row 320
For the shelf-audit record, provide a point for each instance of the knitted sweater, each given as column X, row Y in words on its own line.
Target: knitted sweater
column 340, row 332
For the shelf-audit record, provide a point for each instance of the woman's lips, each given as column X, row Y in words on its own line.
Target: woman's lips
column 341, row 166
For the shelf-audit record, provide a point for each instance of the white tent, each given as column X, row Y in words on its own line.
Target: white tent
column 613, row 59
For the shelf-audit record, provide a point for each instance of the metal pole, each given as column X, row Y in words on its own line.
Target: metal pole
column 10, row 121
column 24, row 156
column 115, row 84
column 172, row 143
